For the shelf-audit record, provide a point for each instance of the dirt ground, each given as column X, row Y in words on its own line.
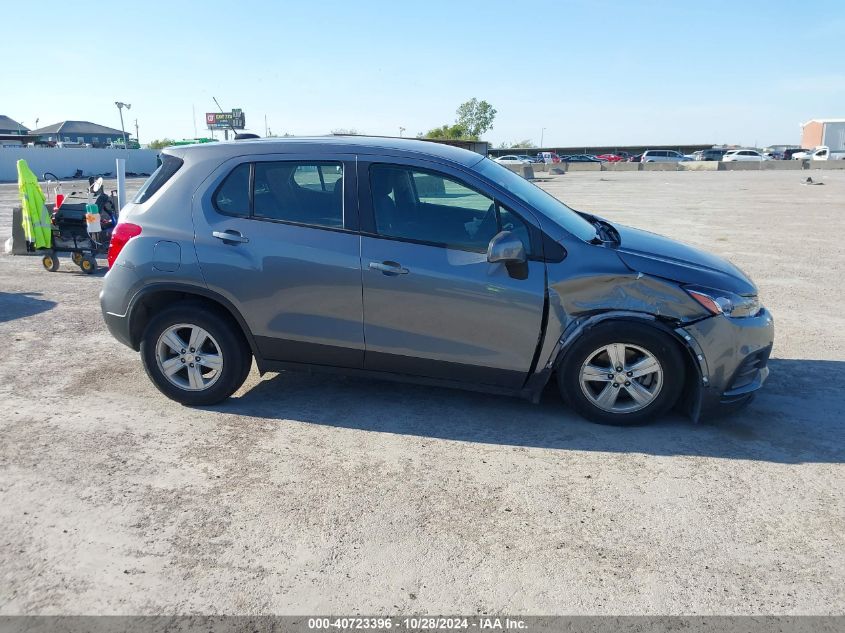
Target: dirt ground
column 314, row 494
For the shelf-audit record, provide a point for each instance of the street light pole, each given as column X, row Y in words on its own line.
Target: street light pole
column 542, row 132
column 401, row 129
column 120, row 105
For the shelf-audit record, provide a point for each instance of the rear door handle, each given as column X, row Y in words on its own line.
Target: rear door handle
column 230, row 236
column 389, row 268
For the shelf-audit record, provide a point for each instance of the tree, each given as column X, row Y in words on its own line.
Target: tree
column 524, row 144
column 161, row 143
column 476, row 117
column 456, row 131
column 344, row 131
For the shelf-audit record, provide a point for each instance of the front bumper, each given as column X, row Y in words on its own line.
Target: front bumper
column 732, row 355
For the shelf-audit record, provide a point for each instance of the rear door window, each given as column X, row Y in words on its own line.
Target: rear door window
column 317, row 177
column 300, row 192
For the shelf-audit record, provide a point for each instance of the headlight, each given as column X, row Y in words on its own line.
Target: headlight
column 724, row 302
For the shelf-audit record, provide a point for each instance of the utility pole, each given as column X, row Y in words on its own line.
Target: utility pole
column 137, row 136
column 542, row 132
column 120, row 105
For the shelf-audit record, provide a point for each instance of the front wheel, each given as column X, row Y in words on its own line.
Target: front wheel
column 622, row 373
column 194, row 356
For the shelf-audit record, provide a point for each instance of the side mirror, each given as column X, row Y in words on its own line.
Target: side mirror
column 506, row 248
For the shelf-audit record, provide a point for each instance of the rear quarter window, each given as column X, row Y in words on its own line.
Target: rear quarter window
column 232, row 196
column 169, row 166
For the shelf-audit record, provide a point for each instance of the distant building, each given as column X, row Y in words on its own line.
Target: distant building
column 479, row 147
column 830, row 132
column 10, row 126
column 79, row 132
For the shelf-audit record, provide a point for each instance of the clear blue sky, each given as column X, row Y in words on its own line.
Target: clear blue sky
column 602, row 72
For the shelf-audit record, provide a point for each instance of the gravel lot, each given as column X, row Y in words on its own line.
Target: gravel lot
column 315, row 494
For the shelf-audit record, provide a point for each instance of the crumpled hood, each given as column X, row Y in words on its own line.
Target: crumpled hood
column 653, row 254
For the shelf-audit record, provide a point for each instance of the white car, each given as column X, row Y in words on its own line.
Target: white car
column 662, row 156
column 744, row 155
column 511, row 159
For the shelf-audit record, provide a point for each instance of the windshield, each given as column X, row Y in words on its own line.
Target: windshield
column 538, row 199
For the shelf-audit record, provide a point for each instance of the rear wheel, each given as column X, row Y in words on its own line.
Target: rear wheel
column 194, row 356
column 88, row 264
column 622, row 373
column 50, row 261
column 76, row 258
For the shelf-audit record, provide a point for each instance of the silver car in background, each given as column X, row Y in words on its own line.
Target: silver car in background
column 409, row 260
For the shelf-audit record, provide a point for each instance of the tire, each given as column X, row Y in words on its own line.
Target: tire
column 76, row 258
column 88, row 264
column 195, row 383
column 636, row 399
column 50, row 261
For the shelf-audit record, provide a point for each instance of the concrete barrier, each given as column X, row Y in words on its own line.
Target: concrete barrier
column 583, row 167
column 783, row 165
column 825, row 164
column 740, row 166
column 557, row 168
column 660, row 166
column 699, row 165
column 620, row 166
column 18, row 235
column 64, row 161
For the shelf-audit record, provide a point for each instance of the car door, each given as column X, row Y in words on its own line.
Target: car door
column 433, row 305
column 277, row 237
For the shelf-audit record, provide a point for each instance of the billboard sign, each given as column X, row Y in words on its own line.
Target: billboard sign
column 226, row 120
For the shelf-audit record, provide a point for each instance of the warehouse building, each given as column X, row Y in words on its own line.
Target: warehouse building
column 79, row 132
column 830, row 132
column 10, row 126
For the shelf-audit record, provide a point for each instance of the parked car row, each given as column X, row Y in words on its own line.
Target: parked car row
column 553, row 158
column 723, row 154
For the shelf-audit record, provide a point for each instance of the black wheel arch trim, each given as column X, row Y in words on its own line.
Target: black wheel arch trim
column 694, row 386
column 204, row 293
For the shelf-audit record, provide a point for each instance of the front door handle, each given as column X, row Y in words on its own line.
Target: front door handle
column 230, row 236
column 389, row 268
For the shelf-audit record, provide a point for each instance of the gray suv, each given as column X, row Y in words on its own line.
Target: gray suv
column 409, row 260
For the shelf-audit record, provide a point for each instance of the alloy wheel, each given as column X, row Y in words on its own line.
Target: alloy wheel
column 621, row 378
column 189, row 357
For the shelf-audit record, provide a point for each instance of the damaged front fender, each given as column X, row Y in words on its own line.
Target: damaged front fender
column 583, row 299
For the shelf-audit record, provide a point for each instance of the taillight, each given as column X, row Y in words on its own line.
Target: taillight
column 123, row 232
